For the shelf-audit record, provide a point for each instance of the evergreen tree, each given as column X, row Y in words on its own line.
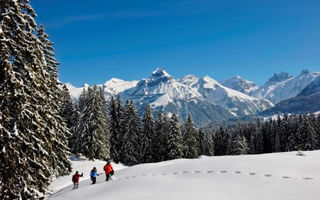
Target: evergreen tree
column 259, row 140
column 306, row 135
column 75, row 122
column 92, row 135
column 200, row 136
column 220, row 142
column 130, row 148
column 190, row 142
column 175, row 146
column 208, row 145
column 157, row 140
column 252, row 144
column 317, row 129
column 115, row 130
column 239, row 145
column 66, row 107
column 147, row 135
column 33, row 135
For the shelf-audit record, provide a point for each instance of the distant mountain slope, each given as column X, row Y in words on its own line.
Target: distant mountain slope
column 236, row 102
column 240, row 84
column 284, row 86
column 112, row 87
column 166, row 94
column 307, row 101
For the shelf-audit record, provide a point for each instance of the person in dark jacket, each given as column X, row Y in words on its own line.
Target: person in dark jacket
column 93, row 175
column 75, row 179
column 108, row 170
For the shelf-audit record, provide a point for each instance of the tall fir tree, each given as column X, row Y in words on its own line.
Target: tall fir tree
column 239, row 145
column 175, row 146
column 148, row 134
column 189, row 137
column 59, row 157
column 306, row 135
column 75, row 122
column 92, row 135
column 130, row 148
column 66, row 109
column 220, row 142
column 157, row 140
column 33, row 140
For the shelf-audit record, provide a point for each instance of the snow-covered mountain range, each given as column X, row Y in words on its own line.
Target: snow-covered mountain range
column 284, row 86
column 204, row 98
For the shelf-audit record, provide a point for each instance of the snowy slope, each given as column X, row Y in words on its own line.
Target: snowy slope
column 83, row 166
column 281, row 176
column 114, row 86
column 75, row 92
column 284, row 86
column 240, row 84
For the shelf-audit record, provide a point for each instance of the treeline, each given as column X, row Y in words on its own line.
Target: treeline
column 286, row 133
column 115, row 131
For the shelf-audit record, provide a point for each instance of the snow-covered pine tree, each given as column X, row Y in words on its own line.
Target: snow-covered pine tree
column 148, row 134
column 220, row 142
column 259, row 140
column 238, row 145
column 205, row 143
column 82, row 99
column 66, row 107
column 131, row 147
column 174, row 143
column 158, row 148
column 189, row 139
column 105, row 121
column 208, row 145
column 306, row 135
column 252, row 143
column 275, row 135
column 317, row 129
column 75, row 122
column 91, row 137
column 30, row 127
column 115, row 130
column 164, row 137
column 59, row 157
column 200, row 136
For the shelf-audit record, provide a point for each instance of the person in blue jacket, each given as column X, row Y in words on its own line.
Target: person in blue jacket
column 93, row 175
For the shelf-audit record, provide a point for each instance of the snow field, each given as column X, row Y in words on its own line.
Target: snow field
column 282, row 176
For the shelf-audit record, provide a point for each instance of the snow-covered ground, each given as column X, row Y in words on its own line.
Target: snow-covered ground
column 279, row 176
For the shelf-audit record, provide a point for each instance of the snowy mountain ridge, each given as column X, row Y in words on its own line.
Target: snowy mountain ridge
column 284, row 86
column 240, row 84
column 205, row 98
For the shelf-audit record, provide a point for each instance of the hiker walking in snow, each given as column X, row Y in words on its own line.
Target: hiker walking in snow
column 75, row 179
column 108, row 170
column 93, row 175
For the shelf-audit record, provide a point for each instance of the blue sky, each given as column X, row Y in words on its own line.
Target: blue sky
column 99, row 39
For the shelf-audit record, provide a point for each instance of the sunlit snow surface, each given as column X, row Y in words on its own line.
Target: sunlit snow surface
column 279, row 176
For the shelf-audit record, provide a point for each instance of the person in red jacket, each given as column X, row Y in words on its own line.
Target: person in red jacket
column 108, row 170
column 75, row 179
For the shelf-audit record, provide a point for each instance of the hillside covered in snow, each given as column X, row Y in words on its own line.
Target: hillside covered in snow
column 277, row 176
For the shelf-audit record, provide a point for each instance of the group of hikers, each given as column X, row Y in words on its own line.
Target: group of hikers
column 108, row 170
